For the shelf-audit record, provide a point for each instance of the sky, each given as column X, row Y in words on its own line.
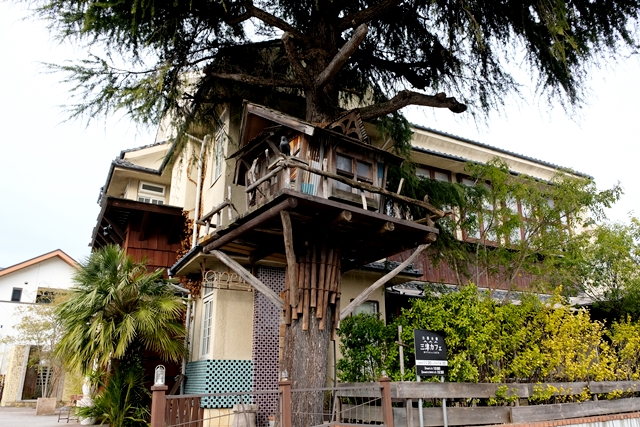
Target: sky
column 51, row 170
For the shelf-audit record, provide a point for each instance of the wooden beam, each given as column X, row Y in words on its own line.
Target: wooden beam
column 289, row 203
column 364, row 295
column 144, row 227
column 115, row 228
column 261, row 253
column 386, row 227
column 287, row 232
column 364, row 186
column 344, row 216
column 263, row 179
column 250, row 278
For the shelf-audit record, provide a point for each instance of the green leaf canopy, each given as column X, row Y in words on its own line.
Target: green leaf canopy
column 115, row 308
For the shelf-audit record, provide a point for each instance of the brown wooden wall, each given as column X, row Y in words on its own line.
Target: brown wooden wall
column 157, row 245
column 443, row 273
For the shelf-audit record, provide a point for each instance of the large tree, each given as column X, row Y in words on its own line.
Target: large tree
column 387, row 53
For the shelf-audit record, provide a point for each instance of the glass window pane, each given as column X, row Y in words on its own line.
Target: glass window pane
column 441, row 176
column 423, row 172
column 367, row 307
column 344, row 163
column 468, row 182
column 365, row 170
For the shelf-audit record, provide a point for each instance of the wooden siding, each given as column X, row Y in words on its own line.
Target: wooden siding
column 155, row 246
column 443, row 273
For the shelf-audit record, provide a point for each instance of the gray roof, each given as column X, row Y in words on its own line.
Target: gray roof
column 490, row 147
column 129, row 150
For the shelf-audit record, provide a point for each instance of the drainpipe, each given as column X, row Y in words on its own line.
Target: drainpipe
column 183, row 369
column 194, row 239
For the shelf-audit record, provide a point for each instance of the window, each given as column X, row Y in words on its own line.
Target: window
column 432, row 173
column 356, row 169
column 206, row 327
column 151, row 193
column 218, row 155
column 16, row 295
column 485, row 229
column 367, row 307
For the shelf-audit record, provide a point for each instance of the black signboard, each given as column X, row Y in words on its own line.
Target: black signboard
column 431, row 353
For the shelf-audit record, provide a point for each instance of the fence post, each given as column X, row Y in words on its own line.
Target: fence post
column 285, row 389
column 387, row 409
column 158, row 404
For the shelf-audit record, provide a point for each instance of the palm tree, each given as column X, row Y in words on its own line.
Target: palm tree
column 116, row 309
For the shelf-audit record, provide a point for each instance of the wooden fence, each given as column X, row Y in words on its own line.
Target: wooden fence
column 511, row 403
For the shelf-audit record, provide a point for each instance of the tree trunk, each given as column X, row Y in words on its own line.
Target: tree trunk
column 310, row 326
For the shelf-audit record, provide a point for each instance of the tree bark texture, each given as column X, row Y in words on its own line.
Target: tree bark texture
column 310, row 326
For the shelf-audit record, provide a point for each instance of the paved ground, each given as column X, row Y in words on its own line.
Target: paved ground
column 26, row 417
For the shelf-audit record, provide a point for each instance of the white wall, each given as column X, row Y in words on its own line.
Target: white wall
column 50, row 273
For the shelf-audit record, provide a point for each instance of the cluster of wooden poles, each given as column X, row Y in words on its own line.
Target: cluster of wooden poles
column 312, row 285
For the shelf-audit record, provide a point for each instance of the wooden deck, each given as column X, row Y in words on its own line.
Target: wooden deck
column 258, row 234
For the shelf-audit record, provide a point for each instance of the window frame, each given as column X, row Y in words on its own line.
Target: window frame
column 19, row 295
column 207, row 327
column 150, row 196
column 218, row 155
column 482, row 230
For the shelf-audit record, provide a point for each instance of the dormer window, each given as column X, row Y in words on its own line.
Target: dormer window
column 151, row 193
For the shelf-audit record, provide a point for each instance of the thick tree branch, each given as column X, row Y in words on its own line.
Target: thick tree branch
column 407, row 97
column 274, row 21
column 406, row 70
column 238, row 19
column 341, row 57
column 294, row 59
column 255, row 80
column 366, row 15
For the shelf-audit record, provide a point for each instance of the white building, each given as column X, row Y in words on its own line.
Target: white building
column 30, row 282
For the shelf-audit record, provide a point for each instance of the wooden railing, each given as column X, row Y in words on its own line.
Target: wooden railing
column 512, row 403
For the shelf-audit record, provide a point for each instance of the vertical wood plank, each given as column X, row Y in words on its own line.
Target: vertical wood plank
column 307, row 281
column 321, row 280
column 314, row 274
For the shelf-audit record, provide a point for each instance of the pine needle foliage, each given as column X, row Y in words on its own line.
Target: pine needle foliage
column 188, row 57
column 115, row 309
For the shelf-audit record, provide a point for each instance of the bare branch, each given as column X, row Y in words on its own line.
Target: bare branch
column 341, row 57
column 407, row 97
column 255, row 80
column 366, row 15
column 295, row 61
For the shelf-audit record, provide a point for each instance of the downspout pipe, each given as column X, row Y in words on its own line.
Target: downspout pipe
column 203, row 144
column 187, row 343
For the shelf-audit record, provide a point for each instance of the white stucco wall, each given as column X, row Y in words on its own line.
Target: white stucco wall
column 50, row 273
column 231, row 323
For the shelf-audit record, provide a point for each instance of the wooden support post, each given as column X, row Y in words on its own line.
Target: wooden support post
column 306, row 294
column 251, row 279
column 285, row 389
column 287, row 232
column 314, row 275
column 387, row 409
column 364, row 295
column 158, row 405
